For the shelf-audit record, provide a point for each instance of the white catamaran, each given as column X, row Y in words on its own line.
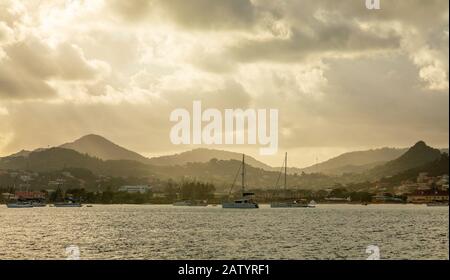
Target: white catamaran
column 289, row 203
column 245, row 201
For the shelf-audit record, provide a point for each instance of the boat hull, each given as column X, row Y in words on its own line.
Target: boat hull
column 288, row 205
column 39, row 205
column 19, row 205
column 437, row 204
column 245, row 205
column 68, row 205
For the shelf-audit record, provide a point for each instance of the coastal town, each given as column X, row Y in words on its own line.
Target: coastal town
column 82, row 186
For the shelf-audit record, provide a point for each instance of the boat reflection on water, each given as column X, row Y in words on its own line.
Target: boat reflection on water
column 69, row 203
column 191, row 203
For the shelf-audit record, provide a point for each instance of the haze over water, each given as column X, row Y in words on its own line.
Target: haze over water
column 167, row 232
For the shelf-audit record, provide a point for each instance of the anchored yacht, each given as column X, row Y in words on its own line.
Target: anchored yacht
column 290, row 203
column 245, row 201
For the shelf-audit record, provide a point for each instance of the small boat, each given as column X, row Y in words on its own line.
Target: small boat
column 181, row 203
column 19, row 205
column 88, row 205
column 312, row 204
column 67, row 204
column 245, row 201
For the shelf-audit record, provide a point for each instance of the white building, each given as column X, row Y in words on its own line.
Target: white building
column 135, row 189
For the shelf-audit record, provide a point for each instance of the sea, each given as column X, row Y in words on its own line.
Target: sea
column 160, row 232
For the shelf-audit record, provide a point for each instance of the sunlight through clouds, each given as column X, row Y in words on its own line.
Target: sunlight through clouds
column 321, row 63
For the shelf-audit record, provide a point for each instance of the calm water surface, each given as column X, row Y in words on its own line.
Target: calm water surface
column 167, row 232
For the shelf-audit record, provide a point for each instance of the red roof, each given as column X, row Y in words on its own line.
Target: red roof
column 29, row 195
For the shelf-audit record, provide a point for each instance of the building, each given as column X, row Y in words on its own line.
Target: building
column 29, row 195
column 135, row 189
column 427, row 196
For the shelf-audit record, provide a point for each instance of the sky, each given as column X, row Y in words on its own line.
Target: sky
column 343, row 77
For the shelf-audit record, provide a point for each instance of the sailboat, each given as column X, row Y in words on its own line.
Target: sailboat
column 245, row 201
column 290, row 203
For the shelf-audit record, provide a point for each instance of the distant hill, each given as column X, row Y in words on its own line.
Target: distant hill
column 59, row 158
column 202, row 155
column 418, row 155
column 22, row 153
column 355, row 162
column 222, row 173
column 101, row 156
column 102, row 148
column 434, row 168
column 219, row 172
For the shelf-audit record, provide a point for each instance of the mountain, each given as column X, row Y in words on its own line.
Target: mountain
column 102, row 148
column 53, row 159
column 355, row 162
column 193, row 165
column 22, row 153
column 202, row 155
column 222, row 173
column 418, row 155
column 434, row 168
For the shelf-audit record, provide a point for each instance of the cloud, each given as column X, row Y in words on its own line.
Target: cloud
column 195, row 14
column 6, row 33
column 327, row 40
column 341, row 76
column 30, row 65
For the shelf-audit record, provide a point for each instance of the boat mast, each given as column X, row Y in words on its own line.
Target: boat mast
column 243, row 174
column 285, row 171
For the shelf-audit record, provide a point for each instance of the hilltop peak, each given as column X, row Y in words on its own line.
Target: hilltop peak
column 202, row 155
column 420, row 144
column 92, row 137
column 99, row 146
column 416, row 156
column 421, row 148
